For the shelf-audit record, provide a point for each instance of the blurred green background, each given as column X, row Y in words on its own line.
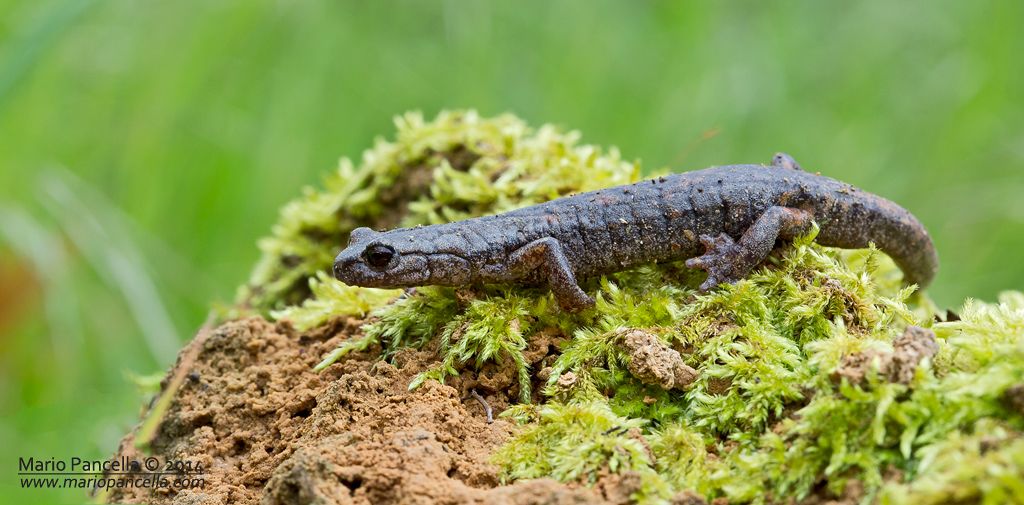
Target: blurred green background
column 145, row 146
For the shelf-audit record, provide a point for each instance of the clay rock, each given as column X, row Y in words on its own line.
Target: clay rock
column 655, row 363
column 908, row 350
column 311, row 476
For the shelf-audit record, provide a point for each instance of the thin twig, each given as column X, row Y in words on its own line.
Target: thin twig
column 148, row 430
column 484, row 404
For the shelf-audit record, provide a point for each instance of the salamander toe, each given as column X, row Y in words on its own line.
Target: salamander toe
column 719, row 261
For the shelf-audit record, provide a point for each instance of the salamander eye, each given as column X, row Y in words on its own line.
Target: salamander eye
column 379, row 255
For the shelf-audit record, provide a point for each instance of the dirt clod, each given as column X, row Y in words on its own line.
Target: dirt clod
column 908, row 350
column 567, row 380
column 688, row 498
column 655, row 363
column 1014, row 398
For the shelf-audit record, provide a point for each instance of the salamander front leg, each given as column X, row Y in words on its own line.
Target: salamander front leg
column 546, row 254
column 727, row 261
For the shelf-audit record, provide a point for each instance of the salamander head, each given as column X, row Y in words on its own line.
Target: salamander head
column 374, row 259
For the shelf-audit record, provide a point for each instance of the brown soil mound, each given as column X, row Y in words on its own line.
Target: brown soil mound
column 267, row 429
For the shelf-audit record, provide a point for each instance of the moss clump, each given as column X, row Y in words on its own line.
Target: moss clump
column 332, row 299
column 490, row 329
column 802, row 386
column 984, row 467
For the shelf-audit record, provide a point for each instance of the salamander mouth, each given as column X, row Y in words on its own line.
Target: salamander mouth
column 346, row 272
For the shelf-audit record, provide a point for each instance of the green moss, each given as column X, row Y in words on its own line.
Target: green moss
column 984, row 467
column 489, row 329
column 574, row 442
column 768, row 418
column 331, row 298
column 681, row 458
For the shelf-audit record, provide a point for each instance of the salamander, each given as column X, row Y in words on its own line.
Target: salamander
column 724, row 220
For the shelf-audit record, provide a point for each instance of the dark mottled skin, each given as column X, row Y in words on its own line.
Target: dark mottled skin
column 725, row 219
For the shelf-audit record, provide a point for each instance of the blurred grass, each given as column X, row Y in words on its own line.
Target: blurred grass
column 144, row 146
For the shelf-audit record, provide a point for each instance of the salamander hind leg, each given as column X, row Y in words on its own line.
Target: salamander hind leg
column 727, row 261
column 546, row 254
